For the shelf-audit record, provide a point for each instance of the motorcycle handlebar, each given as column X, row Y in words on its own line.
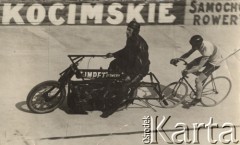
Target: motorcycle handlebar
column 86, row 55
column 76, row 58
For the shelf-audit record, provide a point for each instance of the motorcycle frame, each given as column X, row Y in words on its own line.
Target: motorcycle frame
column 67, row 74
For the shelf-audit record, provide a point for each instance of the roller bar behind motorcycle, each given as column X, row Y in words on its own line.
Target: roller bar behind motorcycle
column 93, row 89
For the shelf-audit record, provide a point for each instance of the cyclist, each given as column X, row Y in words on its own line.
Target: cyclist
column 132, row 60
column 210, row 59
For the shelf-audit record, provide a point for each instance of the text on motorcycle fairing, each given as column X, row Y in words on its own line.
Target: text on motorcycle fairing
column 92, row 74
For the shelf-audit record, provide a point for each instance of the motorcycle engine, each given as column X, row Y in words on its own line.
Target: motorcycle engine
column 87, row 97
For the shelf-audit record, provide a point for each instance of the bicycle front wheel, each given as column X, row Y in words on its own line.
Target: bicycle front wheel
column 215, row 91
column 173, row 94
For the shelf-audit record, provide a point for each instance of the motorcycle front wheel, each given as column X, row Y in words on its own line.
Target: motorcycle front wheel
column 46, row 97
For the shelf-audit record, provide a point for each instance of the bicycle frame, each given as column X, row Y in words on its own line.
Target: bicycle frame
column 183, row 79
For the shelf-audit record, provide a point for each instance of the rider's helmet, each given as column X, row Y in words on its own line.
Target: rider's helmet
column 196, row 40
column 135, row 26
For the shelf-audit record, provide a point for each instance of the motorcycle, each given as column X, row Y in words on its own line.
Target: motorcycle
column 94, row 89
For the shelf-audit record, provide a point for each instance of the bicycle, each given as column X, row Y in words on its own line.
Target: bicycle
column 176, row 92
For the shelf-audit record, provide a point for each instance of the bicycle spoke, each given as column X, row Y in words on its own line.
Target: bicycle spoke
column 214, row 92
column 174, row 99
column 174, row 94
column 208, row 93
column 209, row 98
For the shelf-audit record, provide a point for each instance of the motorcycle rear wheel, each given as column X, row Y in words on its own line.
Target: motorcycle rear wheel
column 45, row 97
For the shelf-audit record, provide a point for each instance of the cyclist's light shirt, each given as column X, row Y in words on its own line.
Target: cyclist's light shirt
column 210, row 50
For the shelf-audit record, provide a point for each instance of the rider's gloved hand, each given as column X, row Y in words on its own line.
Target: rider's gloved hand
column 127, row 79
column 174, row 61
column 109, row 55
column 127, row 82
column 185, row 72
column 136, row 79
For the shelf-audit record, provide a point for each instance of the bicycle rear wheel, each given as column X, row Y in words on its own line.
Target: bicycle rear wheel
column 173, row 94
column 215, row 91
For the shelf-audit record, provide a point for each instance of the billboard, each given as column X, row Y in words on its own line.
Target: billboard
column 92, row 13
column 212, row 12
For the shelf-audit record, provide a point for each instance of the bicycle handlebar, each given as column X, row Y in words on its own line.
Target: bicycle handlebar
column 185, row 62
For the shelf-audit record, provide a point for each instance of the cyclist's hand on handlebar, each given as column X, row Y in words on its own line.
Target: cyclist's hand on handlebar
column 185, row 72
column 109, row 55
column 174, row 61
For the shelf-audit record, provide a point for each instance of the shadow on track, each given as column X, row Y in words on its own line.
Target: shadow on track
column 22, row 106
column 139, row 103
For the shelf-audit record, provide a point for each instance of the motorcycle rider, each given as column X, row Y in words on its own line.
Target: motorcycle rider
column 132, row 60
column 210, row 60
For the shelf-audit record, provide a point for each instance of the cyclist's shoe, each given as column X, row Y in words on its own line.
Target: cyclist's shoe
column 195, row 101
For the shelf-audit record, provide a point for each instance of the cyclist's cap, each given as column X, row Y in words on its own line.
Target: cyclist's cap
column 196, row 40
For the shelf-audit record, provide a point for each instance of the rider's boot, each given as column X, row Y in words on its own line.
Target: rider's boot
column 112, row 106
column 108, row 112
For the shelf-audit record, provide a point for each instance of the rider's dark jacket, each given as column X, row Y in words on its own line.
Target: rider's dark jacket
column 134, row 56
